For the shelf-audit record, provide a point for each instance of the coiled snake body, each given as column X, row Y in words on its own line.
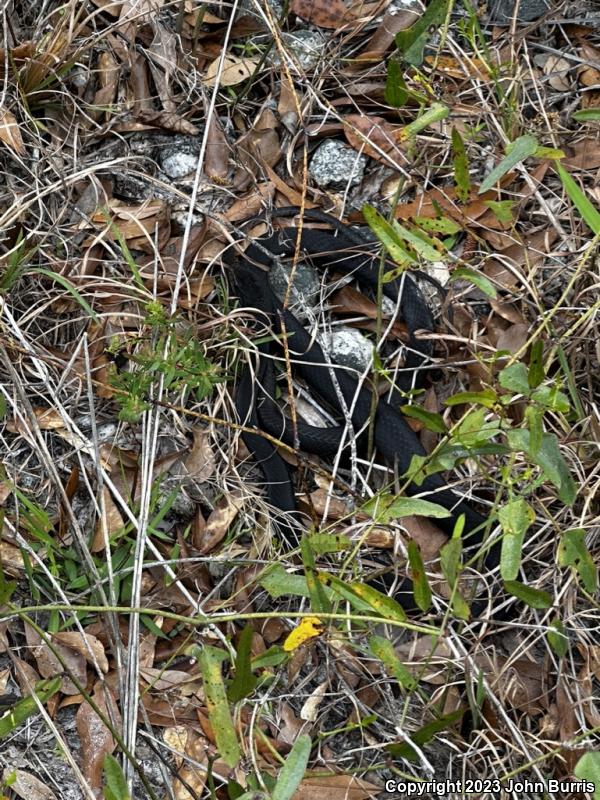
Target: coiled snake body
column 394, row 439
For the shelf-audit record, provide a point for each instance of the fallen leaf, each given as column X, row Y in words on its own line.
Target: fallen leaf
column 557, row 70
column 11, row 559
column 200, row 463
column 26, row 786
column 308, row 628
column 219, row 521
column 322, row 13
column 235, row 70
column 110, row 524
column 89, row 646
column 394, row 20
column 168, row 120
column 10, row 133
column 584, row 154
column 216, row 164
column 375, row 137
column 96, row 739
column 310, row 708
column 49, row 666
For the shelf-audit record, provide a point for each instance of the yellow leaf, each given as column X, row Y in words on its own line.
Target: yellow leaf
column 307, row 629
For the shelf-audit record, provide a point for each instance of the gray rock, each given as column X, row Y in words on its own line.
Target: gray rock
column 350, row 348
column 335, row 164
column 178, row 165
column 501, row 12
column 305, row 289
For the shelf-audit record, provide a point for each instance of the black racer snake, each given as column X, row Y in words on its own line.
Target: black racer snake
column 345, row 250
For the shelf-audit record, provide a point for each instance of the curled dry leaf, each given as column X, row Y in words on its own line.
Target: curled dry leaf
column 322, row 13
column 90, row 647
column 168, row 120
column 216, row 162
column 26, row 786
column 557, row 70
column 235, row 70
column 111, row 523
column 49, row 665
column 10, row 133
column 394, row 20
column 96, row 739
column 200, row 463
column 219, row 521
column 310, row 708
column 375, row 137
column 11, row 559
column 48, row 419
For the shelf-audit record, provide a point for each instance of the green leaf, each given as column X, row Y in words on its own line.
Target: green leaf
column 502, row 209
column 71, row 289
column 421, row 588
column 344, row 589
column 443, row 225
column 423, row 246
column 386, row 606
column 450, row 560
column 272, row 657
column 244, row 681
column 487, row 398
column 549, row 152
column 433, row 422
column 536, row 364
column 293, row 770
column 210, row 660
column 26, row 707
column 519, row 150
column 115, row 783
column 423, row 736
column 534, row 416
column 588, row 211
column 515, row 378
column 552, row 398
column 573, row 552
column 476, row 278
column 396, row 94
column 461, row 167
column 587, row 114
column 279, row 583
column 588, row 769
column 534, row 598
column 515, row 518
column 386, row 234
column 318, row 599
column 322, row 543
column 412, row 41
column 558, row 639
column 549, row 459
column 383, row 649
column 387, row 507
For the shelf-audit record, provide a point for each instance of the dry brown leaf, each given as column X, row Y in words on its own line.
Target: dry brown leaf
column 557, row 70
column 375, row 137
column 587, row 74
column 235, row 70
column 11, row 559
column 110, row 525
column 48, row 419
column 165, row 680
column 217, row 152
column 249, row 206
column 463, row 68
column 394, row 21
column 49, row 665
column 219, row 521
column 200, row 463
column 513, row 338
column 10, row 133
column 322, row 13
column 162, row 62
column 585, row 154
column 26, row 786
column 168, row 120
column 184, row 741
column 96, row 739
column 310, row 708
column 335, row 787
column 89, row 646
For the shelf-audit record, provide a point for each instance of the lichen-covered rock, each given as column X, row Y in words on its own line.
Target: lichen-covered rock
column 335, row 164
